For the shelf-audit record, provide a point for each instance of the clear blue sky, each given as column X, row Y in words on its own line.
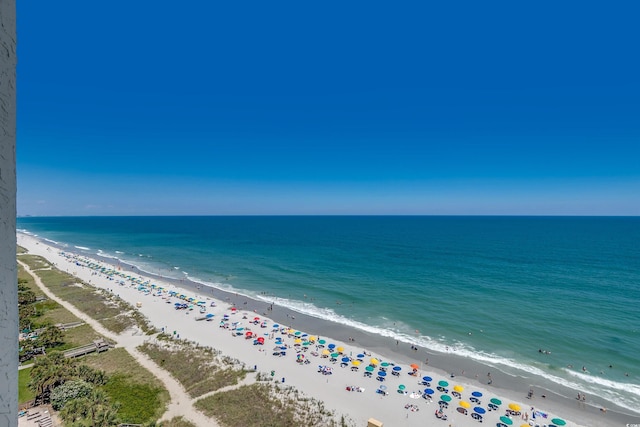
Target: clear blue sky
column 211, row 107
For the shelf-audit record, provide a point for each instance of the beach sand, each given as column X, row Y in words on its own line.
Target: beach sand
column 393, row 409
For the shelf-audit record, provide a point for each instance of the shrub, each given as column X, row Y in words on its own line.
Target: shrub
column 69, row 391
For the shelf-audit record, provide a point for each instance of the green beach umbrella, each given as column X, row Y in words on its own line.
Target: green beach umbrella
column 298, row 333
column 445, row 398
column 306, row 343
column 369, row 368
column 443, row 384
column 558, row 421
column 384, row 364
column 506, row 420
column 323, row 342
column 496, row 401
column 334, row 355
column 401, row 387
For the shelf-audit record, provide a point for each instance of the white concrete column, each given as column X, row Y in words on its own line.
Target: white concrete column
column 8, row 267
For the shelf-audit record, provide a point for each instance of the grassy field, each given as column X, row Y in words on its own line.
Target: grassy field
column 142, row 395
column 205, row 372
column 24, row 393
column 267, row 405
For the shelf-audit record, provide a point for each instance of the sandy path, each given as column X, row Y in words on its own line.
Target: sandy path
column 181, row 402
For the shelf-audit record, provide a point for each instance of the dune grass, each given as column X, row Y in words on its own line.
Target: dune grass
column 177, row 422
column 267, row 405
column 206, row 370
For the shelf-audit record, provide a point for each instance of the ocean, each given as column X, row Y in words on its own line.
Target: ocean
column 548, row 298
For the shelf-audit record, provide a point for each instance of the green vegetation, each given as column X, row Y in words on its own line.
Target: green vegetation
column 177, row 422
column 267, row 405
column 25, row 394
column 205, row 372
column 137, row 403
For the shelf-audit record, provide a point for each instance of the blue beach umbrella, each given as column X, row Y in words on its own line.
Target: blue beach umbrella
column 345, row 359
column 427, row 379
column 360, row 356
column 209, row 316
column 382, row 374
column 397, row 368
column 476, row 394
column 383, row 387
column 331, row 346
column 428, row 391
column 276, row 326
column 479, row 410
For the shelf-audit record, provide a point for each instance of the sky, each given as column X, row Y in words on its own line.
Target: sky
column 337, row 108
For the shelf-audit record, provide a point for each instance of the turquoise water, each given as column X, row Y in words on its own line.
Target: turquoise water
column 497, row 289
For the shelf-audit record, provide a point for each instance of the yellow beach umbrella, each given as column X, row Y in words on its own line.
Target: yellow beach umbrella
column 355, row 362
column 312, row 338
column 525, row 425
column 340, row 349
column 326, row 352
column 464, row 404
column 458, row 388
column 290, row 331
column 514, row 407
column 374, row 361
column 298, row 341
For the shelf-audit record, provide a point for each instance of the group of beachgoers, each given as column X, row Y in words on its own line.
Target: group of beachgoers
column 304, row 348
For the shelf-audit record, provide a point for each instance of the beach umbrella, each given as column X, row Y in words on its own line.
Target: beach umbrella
column 558, row 421
column 506, row 420
column 261, row 340
column 382, row 374
column 383, row 387
column 209, row 316
column 428, row 391
column 402, row 387
column 525, row 425
column 340, row 349
column 476, row 394
column 385, row 364
column 298, row 333
column 443, row 383
column 345, row 360
column 369, row 369
column 397, row 368
column 514, row 407
column 458, row 388
column 290, row 331
column 464, row 404
column 496, row 401
column 306, row 343
column 374, row 361
column 445, row 398
column 239, row 329
column 479, row 410
column 276, row 326
column 360, row 356
column 335, row 355
column 325, row 351
column 414, row 366
column 249, row 333
column 355, row 362
column 312, row 338
column 297, row 341
column 322, row 342
column 331, row 346
column 427, row 379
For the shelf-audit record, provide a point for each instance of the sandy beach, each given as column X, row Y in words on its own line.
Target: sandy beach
column 341, row 382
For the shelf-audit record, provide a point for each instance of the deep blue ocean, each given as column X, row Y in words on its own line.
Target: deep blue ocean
column 497, row 289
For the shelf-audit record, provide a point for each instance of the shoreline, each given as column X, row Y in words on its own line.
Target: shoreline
column 441, row 365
